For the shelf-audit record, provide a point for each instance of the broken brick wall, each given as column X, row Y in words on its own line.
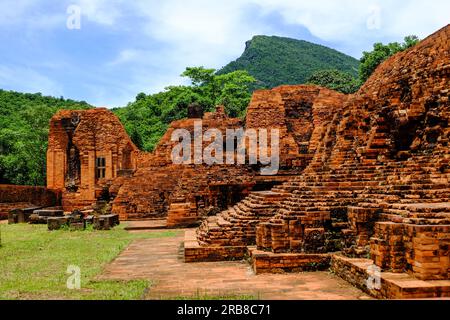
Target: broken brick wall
column 158, row 181
column 385, row 146
column 87, row 150
column 12, row 197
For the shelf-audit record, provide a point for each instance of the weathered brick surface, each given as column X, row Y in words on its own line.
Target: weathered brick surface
column 19, row 197
column 422, row 250
column 76, row 140
column 301, row 113
column 148, row 185
column 158, row 183
column 390, row 285
column 267, row 262
column 379, row 174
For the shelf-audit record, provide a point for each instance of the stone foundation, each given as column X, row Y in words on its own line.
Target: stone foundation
column 392, row 285
column 182, row 215
column 193, row 252
column 268, row 262
column 421, row 250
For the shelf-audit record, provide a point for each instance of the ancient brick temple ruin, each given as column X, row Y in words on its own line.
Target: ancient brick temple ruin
column 376, row 185
column 90, row 157
column 363, row 180
column 87, row 150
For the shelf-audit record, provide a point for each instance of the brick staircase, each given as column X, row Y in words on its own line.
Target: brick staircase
column 377, row 185
column 236, row 226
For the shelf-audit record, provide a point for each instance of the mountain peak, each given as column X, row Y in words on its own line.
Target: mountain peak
column 275, row 60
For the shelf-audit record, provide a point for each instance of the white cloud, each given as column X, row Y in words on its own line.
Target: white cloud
column 197, row 33
column 346, row 20
column 143, row 71
column 211, row 33
column 105, row 12
column 416, row 17
column 326, row 19
column 126, row 55
column 167, row 36
column 27, row 80
column 28, row 14
column 200, row 31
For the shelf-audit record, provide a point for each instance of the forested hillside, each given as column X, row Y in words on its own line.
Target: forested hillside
column 274, row 61
column 24, row 119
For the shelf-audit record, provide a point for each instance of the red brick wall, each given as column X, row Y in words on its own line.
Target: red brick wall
column 20, row 195
column 39, row 196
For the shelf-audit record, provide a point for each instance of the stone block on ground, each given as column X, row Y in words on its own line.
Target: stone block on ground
column 106, row 222
column 21, row 215
column 49, row 213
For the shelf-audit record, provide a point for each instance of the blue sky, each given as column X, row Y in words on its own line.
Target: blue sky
column 124, row 47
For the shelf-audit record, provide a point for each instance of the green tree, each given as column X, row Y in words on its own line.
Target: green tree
column 234, row 92
column 135, row 136
column 199, row 76
column 371, row 60
column 335, row 80
column 230, row 89
column 149, row 116
column 410, row 41
column 140, row 96
column 24, row 120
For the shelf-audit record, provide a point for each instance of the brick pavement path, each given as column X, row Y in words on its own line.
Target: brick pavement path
column 161, row 261
column 146, row 224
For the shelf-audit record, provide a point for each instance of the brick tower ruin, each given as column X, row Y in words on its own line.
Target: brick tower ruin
column 361, row 176
column 377, row 184
column 87, row 150
column 90, row 153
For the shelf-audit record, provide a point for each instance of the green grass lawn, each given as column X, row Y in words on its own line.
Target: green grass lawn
column 34, row 262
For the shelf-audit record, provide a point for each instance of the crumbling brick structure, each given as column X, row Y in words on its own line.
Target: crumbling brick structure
column 377, row 183
column 90, row 156
column 301, row 113
column 26, row 197
column 364, row 174
column 87, row 150
column 158, row 181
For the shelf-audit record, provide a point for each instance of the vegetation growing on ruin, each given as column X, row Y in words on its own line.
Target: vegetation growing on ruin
column 345, row 82
column 34, row 262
